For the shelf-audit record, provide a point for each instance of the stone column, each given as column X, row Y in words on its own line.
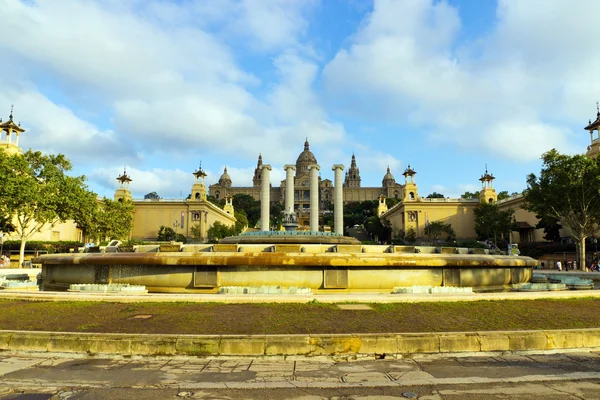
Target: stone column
column 289, row 187
column 338, row 200
column 314, row 197
column 265, row 197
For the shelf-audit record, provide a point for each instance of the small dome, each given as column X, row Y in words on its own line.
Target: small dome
column 388, row 178
column 305, row 159
column 225, row 179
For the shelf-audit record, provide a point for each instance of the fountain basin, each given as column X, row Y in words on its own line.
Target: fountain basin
column 352, row 268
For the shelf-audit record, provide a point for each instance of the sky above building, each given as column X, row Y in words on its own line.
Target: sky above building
column 159, row 86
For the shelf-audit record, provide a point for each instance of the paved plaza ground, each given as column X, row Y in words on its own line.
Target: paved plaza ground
column 573, row 375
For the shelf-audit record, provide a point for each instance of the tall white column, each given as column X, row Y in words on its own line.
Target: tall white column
column 314, row 197
column 289, row 187
column 265, row 197
column 338, row 199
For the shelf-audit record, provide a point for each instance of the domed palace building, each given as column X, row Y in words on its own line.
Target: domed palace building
column 352, row 189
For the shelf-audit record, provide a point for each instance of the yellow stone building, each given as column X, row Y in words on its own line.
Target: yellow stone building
column 180, row 215
column 416, row 212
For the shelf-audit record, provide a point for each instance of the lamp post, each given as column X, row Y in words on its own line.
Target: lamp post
column 176, row 224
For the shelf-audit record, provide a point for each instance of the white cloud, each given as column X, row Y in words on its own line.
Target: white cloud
column 515, row 92
column 55, row 129
column 167, row 183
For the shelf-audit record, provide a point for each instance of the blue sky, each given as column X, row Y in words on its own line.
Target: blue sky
column 445, row 86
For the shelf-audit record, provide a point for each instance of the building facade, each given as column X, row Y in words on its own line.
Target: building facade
column 353, row 190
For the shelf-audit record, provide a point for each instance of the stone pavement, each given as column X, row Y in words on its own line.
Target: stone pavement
column 559, row 375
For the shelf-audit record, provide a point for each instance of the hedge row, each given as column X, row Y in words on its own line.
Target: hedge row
column 50, row 247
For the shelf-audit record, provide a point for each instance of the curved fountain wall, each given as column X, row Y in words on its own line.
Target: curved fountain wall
column 322, row 268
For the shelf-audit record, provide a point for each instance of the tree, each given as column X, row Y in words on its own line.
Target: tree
column 151, row 196
column 166, row 234
column 435, row 195
column 380, row 230
column 503, row 195
column 5, row 225
column 410, row 236
column 436, row 228
column 567, row 190
column 470, row 195
column 218, row 202
column 36, row 193
column 196, row 231
column 241, row 222
column 492, row 223
column 249, row 205
column 105, row 219
column 551, row 227
column 219, row 230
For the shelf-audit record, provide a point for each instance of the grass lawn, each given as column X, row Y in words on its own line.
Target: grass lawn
column 217, row 318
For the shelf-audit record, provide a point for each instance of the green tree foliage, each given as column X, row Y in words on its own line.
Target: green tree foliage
column 436, row 229
column 276, row 214
column 151, row 196
column 251, row 207
column 380, row 230
column 435, row 195
column 551, row 227
column 219, row 230
column 241, row 222
column 410, row 236
column 470, row 195
column 166, row 234
column 503, row 195
column 37, row 193
column 105, row 219
column 218, row 202
column 567, row 189
column 492, row 223
column 5, row 225
column 358, row 212
column 196, row 231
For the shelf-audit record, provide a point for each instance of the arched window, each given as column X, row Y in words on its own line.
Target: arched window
column 490, row 200
column 217, row 194
column 197, row 195
column 411, row 196
column 396, row 194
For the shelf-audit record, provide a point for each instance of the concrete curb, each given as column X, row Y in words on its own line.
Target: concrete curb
column 295, row 298
column 348, row 345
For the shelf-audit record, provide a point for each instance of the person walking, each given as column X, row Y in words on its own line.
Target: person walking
column 559, row 265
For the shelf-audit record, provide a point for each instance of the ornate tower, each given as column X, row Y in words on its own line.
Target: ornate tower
column 199, row 188
column 410, row 191
column 352, row 175
column 123, row 192
column 488, row 193
column 256, row 180
column 382, row 206
column 228, row 208
column 594, row 147
column 9, row 129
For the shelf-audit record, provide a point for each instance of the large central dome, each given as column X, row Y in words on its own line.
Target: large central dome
column 305, row 159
